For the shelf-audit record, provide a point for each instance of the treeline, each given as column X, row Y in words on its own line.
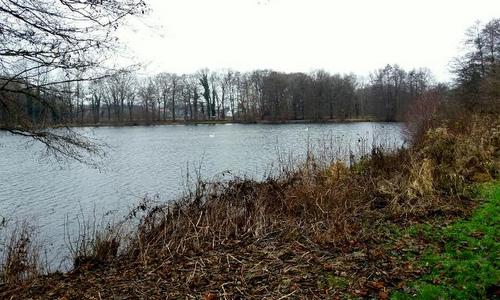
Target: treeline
column 477, row 71
column 262, row 95
column 254, row 96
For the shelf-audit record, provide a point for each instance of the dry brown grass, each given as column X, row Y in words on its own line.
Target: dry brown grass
column 93, row 243
column 21, row 259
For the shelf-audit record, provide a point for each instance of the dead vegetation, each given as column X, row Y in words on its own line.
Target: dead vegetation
column 93, row 243
column 320, row 229
column 21, row 259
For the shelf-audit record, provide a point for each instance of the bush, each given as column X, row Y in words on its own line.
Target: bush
column 462, row 153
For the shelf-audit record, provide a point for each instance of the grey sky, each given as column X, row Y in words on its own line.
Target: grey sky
column 303, row 35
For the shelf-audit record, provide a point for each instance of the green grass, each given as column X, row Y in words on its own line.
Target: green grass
column 337, row 281
column 467, row 267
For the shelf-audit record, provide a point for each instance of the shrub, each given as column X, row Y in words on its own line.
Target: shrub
column 462, row 153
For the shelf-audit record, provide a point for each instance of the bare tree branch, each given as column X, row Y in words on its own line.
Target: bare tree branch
column 47, row 47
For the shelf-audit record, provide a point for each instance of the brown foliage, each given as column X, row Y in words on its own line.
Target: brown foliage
column 422, row 114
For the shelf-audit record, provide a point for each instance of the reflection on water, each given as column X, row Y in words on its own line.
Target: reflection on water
column 152, row 160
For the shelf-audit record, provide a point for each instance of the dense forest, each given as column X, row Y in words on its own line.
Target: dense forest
column 125, row 97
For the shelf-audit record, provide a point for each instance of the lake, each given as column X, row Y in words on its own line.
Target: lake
column 154, row 161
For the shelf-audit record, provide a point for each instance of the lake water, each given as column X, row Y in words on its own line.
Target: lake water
column 153, row 161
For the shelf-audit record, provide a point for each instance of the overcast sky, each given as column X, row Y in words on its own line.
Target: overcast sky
column 303, row 35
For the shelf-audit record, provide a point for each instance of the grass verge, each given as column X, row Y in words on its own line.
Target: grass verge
column 463, row 258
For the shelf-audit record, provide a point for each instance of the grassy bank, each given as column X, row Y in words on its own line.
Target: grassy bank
column 320, row 230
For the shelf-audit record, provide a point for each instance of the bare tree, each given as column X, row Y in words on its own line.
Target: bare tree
column 147, row 94
column 120, row 88
column 225, row 84
column 163, row 82
column 214, row 80
column 204, row 82
column 175, row 87
column 58, row 39
column 477, row 70
column 97, row 90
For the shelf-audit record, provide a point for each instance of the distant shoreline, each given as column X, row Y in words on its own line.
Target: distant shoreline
column 221, row 122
